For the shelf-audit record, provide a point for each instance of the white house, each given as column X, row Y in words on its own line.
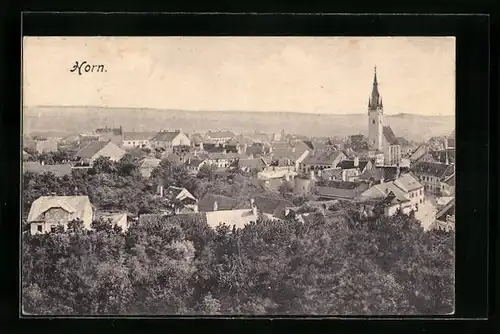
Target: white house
column 170, row 139
column 137, row 139
column 219, row 137
column 97, row 149
column 405, row 193
column 48, row 212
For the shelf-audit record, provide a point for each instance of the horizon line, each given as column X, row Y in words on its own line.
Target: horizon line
column 227, row 111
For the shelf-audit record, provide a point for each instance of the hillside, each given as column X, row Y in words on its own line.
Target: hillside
column 70, row 120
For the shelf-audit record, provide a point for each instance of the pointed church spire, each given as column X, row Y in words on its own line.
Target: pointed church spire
column 375, row 99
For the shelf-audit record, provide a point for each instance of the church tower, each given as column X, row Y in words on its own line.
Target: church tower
column 375, row 117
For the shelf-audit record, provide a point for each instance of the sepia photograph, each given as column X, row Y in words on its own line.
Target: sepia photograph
column 238, row 176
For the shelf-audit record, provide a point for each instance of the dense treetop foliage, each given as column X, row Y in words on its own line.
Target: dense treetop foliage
column 331, row 264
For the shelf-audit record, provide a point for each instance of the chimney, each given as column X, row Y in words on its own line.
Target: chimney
column 42, row 162
column 311, row 174
column 270, row 149
column 398, row 172
column 287, row 212
column 195, row 209
column 160, row 190
column 254, row 208
column 287, row 177
column 216, row 206
column 201, row 146
column 252, row 202
column 356, row 161
column 293, row 149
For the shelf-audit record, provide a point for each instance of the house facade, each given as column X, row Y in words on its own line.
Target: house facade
column 167, row 140
column 49, row 212
column 432, row 175
column 405, row 193
column 137, row 139
column 219, row 137
column 321, row 160
column 41, row 145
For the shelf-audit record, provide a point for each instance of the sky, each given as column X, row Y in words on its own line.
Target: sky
column 331, row 75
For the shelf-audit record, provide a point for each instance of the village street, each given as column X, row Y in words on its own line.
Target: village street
column 427, row 212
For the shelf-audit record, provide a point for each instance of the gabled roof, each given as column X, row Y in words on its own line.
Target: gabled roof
column 71, row 204
column 138, row 135
column 115, row 217
column 194, row 161
column 408, row 182
column 176, row 191
column 255, row 163
column 150, row 163
column 375, row 174
column 389, row 135
column 91, row 149
column 239, row 218
column 322, row 158
column 220, row 134
column 272, row 206
column 435, row 169
column 206, row 204
column 166, row 136
column 57, row 170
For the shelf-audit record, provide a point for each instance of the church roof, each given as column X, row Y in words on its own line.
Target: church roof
column 389, row 135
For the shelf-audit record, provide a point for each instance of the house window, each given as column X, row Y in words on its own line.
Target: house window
column 40, row 228
column 373, row 122
column 52, row 228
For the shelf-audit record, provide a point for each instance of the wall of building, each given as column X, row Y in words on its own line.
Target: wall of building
column 181, row 140
column 375, row 124
column 136, row 143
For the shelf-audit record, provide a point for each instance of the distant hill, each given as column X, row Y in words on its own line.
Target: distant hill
column 71, row 120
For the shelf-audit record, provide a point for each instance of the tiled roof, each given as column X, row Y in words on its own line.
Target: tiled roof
column 138, row 135
column 71, row 204
column 322, row 158
column 150, row 163
column 331, row 172
column 337, row 192
column 57, row 170
column 434, row 169
column 408, row 182
column 349, row 164
column 273, row 206
column 376, row 174
column 166, row 136
column 239, row 218
column 389, row 135
column 91, row 149
column 206, row 204
column 256, row 163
